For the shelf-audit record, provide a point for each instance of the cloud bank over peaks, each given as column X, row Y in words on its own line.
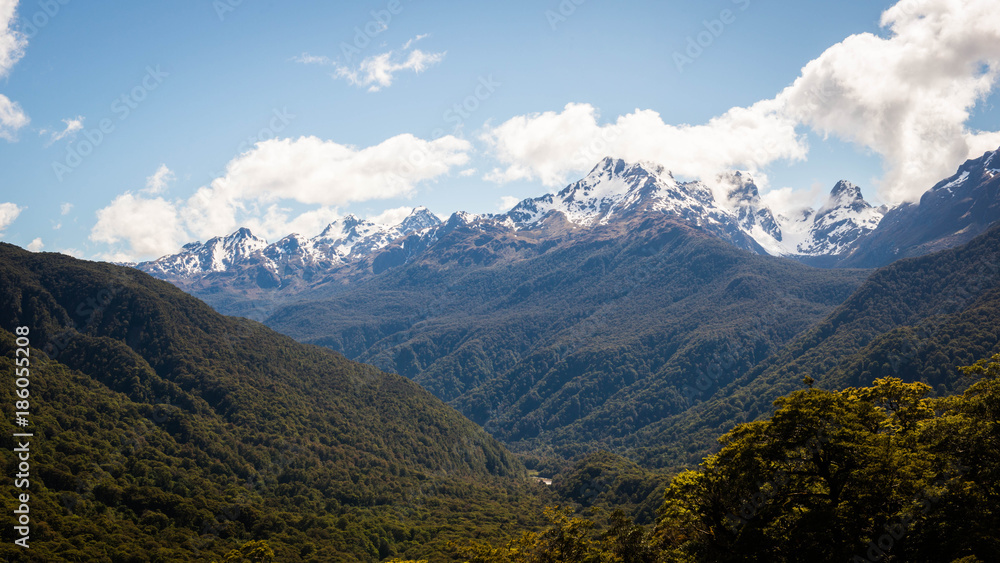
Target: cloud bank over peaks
column 261, row 186
column 907, row 97
column 552, row 146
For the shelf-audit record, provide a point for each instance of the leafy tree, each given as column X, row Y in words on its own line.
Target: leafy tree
column 251, row 552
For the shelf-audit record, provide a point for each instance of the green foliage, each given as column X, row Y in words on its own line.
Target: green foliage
column 881, row 473
column 916, row 320
column 608, row 481
column 167, row 432
column 568, row 345
column 568, row 539
column 251, row 552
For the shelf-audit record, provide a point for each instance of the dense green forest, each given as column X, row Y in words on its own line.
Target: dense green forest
column 917, row 319
column 879, row 473
column 560, row 346
column 167, row 432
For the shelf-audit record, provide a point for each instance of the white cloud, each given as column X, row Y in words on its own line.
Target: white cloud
column 12, row 118
column 277, row 222
column 391, row 217
column 908, row 96
column 72, row 126
column 307, row 170
column 307, row 59
column 467, row 172
column 507, row 202
column 410, row 42
column 150, row 227
column 789, row 201
column 65, row 208
column 550, row 146
column 377, row 71
column 157, row 183
column 12, row 45
column 8, row 213
column 312, row 171
column 36, row 245
column 12, row 42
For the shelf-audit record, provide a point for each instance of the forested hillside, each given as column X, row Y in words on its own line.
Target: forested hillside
column 879, row 473
column 579, row 344
column 918, row 319
column 167, row 432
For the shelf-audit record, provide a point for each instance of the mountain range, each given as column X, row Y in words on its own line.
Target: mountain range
column 629, row 312
column 845, row 232
column 590, row 317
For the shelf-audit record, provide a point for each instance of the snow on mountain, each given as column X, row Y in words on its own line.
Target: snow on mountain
column 216, row 255
column 615, row 188
column 953, row 212
column 835, row 227
column 342, row 241
column 613, row 191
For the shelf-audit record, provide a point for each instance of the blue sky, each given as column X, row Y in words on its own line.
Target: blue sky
column 269, row 114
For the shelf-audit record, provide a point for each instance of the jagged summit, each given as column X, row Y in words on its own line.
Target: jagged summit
column 743, row 198
column 843, row 219
column 618, row 191
column 344, row 240
column 418, row 219
column 953, row 212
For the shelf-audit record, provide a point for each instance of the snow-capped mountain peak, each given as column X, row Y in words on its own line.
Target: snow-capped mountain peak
column 348, row 238
column 419, row 219
column 743, row 200
column 843, row 219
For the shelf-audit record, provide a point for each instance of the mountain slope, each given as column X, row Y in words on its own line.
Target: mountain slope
column 165, row 431
column 560, row 337
column 917, row 319
column 226, row 271
column 953, row 212
column 244, row 261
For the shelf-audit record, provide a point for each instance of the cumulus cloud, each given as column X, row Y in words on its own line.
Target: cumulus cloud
column 12, row 45
column 36, row 245
column 391, row 217
column 508, row 202
column 8, row 213
column 157, row 183
column 377, row 71
column 907, row 96
column 312, row 171
column 150, row 227
column 790, row 202
column 259, row 185
column 550, row 146
column 12, row 42
column 278, row 221
column 12, row 118
column 65, row 208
